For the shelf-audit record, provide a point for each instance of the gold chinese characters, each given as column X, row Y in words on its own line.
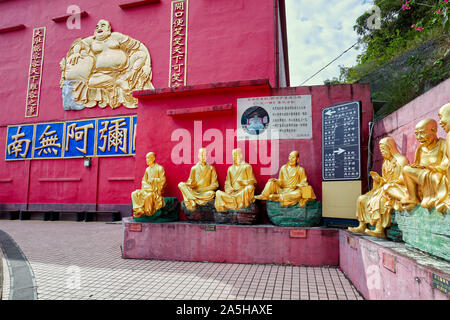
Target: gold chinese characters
column 105, row 68
column 178, row 43
column 35, row 72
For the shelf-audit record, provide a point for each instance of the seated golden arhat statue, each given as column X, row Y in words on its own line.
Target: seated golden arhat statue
column 200, row 188
column 148, row 199
column 443, row 204
column 376, row 206
column 239, row 186
column 426, row 179
column 105, row 68
column 291, row 187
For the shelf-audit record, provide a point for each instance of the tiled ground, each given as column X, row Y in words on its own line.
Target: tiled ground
column 77, row 260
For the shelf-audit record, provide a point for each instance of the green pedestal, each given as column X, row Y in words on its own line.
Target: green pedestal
column 426, row 230
column 393, row 232
column 168, row 213
column 294, row 216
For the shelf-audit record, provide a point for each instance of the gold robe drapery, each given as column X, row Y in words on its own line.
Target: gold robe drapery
column 148, row 199
column 239, row 188
column 200, row 188
column 291, row 186
column 385, row 196
column 433, row 184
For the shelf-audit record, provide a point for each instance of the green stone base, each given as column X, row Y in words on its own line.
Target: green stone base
column 294, row 216
column 426, row 230
column 393, row 233
column 201, row 213
column 168, row 213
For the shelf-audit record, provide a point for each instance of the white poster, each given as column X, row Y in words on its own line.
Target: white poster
column 274, row 117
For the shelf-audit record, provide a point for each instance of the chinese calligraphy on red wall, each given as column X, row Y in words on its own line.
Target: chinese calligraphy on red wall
column 35, row 72
column 178, row 43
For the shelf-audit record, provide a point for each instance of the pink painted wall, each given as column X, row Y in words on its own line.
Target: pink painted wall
column 230, row 243
column 400, row 124
column 228, row 40
column 156, row 136
column 362, row 261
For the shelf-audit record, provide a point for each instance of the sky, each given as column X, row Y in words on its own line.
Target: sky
column 319, row 31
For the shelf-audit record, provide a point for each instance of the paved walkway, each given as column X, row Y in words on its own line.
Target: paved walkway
column 77, row 260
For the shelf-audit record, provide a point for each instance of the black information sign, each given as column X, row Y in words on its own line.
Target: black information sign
column 341, row 155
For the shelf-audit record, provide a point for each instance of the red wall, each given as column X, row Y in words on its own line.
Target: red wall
column 228, row 40
column 156, row 136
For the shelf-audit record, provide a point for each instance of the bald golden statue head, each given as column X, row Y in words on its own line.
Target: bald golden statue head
column 293, row 158
column 444, row 117
column 426, row 131
column 388, row 149
column 237, row 156
column 202, row 155
column 150, row 157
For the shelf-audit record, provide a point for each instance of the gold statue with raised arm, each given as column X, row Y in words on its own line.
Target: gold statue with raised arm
column 148, row 199
column 443, row 204
column 105, row 68
column 239, row 186
column 291, row 187
column 375, row 207
column 425, row 177
column 200, row 188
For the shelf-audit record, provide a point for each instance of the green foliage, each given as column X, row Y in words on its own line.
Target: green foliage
column 421, row 74
column 405, row 25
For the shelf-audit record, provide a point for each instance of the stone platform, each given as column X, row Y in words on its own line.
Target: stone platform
column 379, row 268
column 385, row 270
column 260, row 244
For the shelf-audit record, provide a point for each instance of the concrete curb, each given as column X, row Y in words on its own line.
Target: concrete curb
column 23, row 284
